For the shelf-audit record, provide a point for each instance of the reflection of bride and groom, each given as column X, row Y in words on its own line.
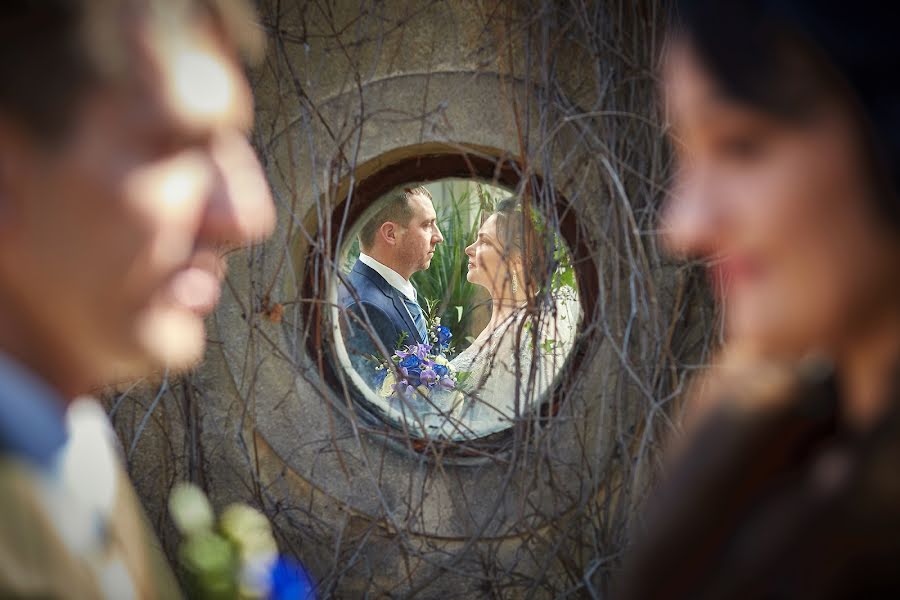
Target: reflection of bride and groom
column 510, row 363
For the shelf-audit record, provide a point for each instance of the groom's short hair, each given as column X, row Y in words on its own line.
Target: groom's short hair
column 395, row 209
column 52, row 52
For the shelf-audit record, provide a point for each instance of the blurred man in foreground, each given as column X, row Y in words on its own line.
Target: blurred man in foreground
column 125, row 173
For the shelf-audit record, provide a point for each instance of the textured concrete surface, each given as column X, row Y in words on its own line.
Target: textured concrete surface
column 258, row 423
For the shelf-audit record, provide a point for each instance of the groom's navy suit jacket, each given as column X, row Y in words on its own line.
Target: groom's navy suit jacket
column 368, row 295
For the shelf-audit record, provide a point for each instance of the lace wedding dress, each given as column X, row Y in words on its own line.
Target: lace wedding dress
column 509, row 372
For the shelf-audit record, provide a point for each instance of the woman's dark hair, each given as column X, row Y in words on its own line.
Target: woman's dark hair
column 781, row 56
column 517, row 233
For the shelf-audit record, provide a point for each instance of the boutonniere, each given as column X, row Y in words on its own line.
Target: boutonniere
column 234, row 556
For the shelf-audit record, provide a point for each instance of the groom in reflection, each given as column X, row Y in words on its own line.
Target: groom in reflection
column 381, row 305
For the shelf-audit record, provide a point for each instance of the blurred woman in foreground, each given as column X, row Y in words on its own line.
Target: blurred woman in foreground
column 786, row 123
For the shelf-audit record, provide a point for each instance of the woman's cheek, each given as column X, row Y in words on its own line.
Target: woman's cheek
column 484, row 264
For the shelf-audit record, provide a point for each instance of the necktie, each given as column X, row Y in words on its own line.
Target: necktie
column 415, row 311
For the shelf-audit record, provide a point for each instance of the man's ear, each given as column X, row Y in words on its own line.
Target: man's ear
column 388, row 232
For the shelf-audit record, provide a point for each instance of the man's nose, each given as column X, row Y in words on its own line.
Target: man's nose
column 239, row 208
column 437, row 235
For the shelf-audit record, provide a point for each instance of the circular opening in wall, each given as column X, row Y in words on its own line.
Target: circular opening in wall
column 517, row 372
column 409, row 332
column 457, row 308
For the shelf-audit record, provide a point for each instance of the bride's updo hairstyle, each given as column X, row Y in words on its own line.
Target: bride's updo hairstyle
column 517, row 233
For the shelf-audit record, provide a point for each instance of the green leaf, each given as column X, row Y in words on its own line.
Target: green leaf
column 401, row 339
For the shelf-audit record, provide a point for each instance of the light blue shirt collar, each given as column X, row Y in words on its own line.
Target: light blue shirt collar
column 32, row 415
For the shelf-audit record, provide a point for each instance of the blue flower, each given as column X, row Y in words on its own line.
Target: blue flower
column 443, row 335
column 441, row 370
column 290, row 582
column 410, row 361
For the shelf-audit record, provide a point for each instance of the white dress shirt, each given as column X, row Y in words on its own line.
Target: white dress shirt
column 395, row 279
column 73, row 452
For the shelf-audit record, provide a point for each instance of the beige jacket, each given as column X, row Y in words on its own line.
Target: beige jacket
column 36, row 563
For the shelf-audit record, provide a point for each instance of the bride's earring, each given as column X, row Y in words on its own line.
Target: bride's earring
column 515, row 282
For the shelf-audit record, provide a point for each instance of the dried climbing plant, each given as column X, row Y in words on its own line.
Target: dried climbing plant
column 556, row 497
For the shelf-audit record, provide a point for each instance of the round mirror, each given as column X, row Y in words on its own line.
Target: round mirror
column 455, row 310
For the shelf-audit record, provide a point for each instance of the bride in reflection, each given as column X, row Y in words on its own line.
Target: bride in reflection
column 514, row 360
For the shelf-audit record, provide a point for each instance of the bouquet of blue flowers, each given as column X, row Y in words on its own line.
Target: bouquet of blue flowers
column 421, row 368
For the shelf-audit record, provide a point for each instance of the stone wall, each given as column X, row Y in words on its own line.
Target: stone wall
column 560, row 93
